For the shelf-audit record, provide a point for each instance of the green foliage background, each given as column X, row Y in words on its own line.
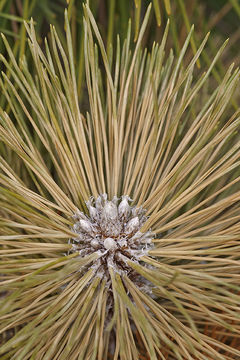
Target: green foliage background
column 221, row 17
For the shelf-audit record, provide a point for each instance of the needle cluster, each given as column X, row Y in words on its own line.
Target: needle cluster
column 81, row 274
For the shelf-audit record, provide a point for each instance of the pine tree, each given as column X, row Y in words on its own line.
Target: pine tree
column 119, row 225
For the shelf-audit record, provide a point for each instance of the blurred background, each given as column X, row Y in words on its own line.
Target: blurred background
column 221, row 17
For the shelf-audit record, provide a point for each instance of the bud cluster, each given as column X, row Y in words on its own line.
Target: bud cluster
column 112, row 229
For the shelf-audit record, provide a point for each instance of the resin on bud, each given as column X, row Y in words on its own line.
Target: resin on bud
column 110, row 244
column 112, row 230
column 132, row 226
column 85, row 225
column 124, row 208
column 110, row 211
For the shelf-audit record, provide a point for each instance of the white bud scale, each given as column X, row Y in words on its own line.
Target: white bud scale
column 112, row 230
column 110, row 244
